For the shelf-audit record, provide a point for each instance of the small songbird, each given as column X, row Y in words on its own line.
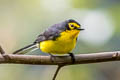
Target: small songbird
column 60, row 38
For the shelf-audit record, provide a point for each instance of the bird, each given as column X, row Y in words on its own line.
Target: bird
column 60, row 39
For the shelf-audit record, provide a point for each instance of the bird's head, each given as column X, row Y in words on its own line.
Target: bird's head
column 71, row 28
column 73, row 25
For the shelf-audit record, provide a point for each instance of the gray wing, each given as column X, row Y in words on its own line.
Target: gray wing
column 47, row 35
column 51, row 33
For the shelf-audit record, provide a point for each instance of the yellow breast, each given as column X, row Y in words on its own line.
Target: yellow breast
column 63, row 44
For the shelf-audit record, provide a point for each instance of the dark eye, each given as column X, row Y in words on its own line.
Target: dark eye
column 72, row 25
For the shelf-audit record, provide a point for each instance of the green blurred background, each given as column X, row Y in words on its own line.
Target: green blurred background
column 21, row 21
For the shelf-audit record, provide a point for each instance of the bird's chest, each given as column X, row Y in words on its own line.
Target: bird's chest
column 59, row 46
column 63, row 44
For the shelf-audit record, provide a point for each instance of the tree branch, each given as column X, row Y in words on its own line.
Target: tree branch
column 61, row 60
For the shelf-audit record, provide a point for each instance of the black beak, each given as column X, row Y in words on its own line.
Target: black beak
column 80, row 29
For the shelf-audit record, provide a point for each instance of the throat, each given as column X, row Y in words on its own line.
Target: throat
column 69, row 35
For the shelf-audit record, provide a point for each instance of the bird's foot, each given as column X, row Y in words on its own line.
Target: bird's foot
column 72, row 57
column 52, row 57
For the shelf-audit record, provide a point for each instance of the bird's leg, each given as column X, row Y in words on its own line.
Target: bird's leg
column 51, row 57
column 72, row 57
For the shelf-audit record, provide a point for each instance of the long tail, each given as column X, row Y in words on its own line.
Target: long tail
column 26, row 49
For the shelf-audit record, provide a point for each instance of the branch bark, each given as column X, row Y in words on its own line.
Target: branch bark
column 60, row 60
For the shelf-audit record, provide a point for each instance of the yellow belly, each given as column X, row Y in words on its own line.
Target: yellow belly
column 64, row 44
column 57, row 47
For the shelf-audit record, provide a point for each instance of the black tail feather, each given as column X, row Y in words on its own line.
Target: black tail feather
column 26, row 49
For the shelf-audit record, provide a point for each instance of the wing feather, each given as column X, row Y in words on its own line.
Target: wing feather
column 51, row 33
